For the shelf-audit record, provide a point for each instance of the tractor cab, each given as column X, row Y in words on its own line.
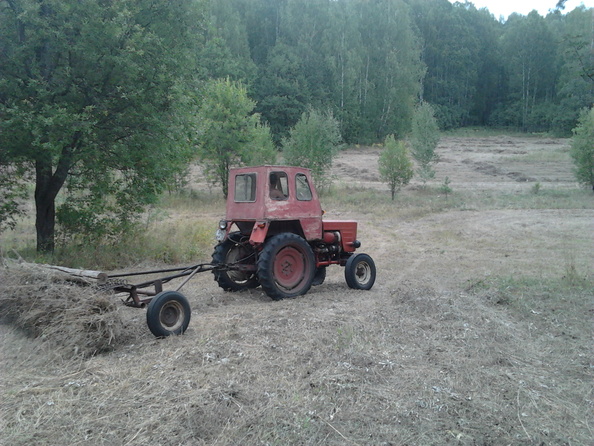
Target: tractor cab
column 265, row 200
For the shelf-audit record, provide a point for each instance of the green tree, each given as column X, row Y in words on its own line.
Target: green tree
column 312, row 143
column 529, row 49
column 390, row 75
column 460, row 51
column 263, row 150
column 229, row 133
column 582, row 148
column 226, row 52
column 424, row 140
column 92, row 103
column 395, row 166
column 281, row 90
column 575, row 86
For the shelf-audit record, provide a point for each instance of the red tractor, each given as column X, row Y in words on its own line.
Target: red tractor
column 274, row 236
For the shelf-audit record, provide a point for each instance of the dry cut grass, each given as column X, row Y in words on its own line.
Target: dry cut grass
column 502, row 362
column 81, row 321
column 474, row 334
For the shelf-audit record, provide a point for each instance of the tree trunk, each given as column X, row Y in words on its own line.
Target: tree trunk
column 47, row 186
column 45, row 208
column 45, row 222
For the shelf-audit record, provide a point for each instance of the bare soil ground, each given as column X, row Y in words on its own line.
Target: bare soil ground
column 498, row 163
column 478, row 330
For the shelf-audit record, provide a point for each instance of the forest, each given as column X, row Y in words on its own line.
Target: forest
column 371, row 61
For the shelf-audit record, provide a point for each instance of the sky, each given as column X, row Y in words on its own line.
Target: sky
column 506, row 7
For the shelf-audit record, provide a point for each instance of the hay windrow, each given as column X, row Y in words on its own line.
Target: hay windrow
column 80, row 320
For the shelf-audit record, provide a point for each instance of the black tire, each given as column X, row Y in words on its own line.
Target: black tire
column 168, row 314
column 319, row 276
column 229, row 252
column 286, row 266
column 359, row 272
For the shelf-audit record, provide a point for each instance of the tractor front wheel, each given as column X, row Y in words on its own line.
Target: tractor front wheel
column 286, row 266
column 168, row 314
column 359, row 272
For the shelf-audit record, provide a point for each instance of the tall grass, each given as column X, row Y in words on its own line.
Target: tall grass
column 180, row 229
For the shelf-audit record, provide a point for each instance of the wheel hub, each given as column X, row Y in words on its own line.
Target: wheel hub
column 171, row 315
column 290, row 267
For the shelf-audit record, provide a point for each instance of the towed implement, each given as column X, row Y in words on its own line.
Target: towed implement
column 273, row 236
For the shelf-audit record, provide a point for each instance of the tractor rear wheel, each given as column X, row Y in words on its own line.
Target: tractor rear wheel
column 359, row 272
column 232, row 252
column 168, row 314
column 286, row 266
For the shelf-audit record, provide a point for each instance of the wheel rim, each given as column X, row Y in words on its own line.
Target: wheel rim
column 171, row 316
column 289, row 267
column 235, row 255
column 363, row 273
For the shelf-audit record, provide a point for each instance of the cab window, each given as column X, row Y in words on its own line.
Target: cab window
column 302, row 189
column 279, row 186
column 245, row 188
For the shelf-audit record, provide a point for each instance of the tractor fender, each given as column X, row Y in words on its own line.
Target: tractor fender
column 308, row 228
column 259, row 232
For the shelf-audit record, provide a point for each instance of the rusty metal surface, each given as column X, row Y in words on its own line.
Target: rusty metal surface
column 264, row 208
column 137, row 291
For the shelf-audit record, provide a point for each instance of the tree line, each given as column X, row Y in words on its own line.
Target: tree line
column 371, row 61
column 104, row 103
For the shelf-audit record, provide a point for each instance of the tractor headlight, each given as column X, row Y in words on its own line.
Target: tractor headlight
column 221, row 231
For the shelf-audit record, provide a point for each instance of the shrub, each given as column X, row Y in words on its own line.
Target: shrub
column 395, row 166
column 424, row 140
column 582, row 148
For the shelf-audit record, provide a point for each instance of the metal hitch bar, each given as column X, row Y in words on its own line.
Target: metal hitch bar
column 137, row 290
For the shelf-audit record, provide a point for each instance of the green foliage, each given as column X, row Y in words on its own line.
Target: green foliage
column 229, row 133
column 445, row 187
column 312, row 143
column 369, row 63
column 424, row 139
column 12, row 194
column 582, row 148
column 395, row 166
column 530, row 49
column 92, row 100
column 461, row 56
column 535, row 189
column 281, row 90
column 262, row 149
column 360, row 59
column 226, row 52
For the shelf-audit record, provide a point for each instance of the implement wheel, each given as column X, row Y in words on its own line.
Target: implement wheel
column 286, row 266
column 359, row 272
column 231, row 252
column 168, row 314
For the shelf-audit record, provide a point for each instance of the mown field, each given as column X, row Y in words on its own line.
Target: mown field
column 478, row 330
